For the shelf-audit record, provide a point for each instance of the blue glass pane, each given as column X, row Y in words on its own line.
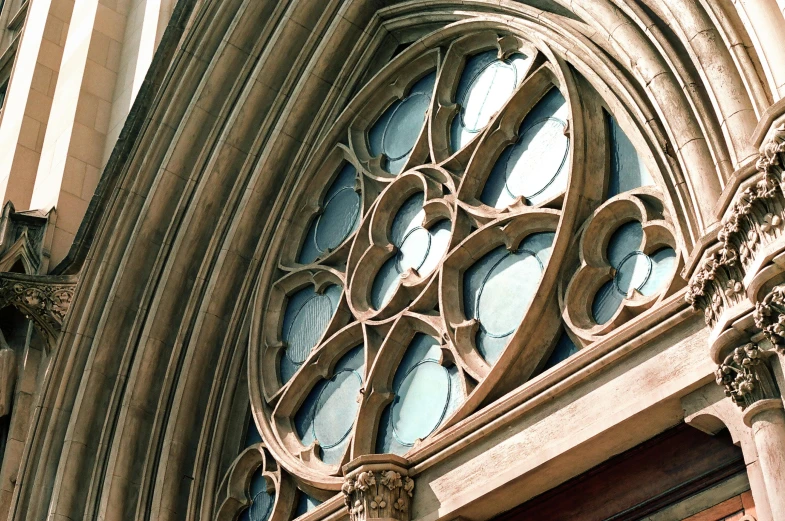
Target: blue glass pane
column 396, row 131
column 664, row 263
column 305, row 503
column 564, row 349
column 499, row 288
column 627, row 239
column 627, row 169
column 418, row 249
column 535, row 167
column 330, row 409
column 252, row 437
column 485, row 86
column 262, row 502
column 606, row 302
column 306, row 318
column 425, row 394
column 339, row 218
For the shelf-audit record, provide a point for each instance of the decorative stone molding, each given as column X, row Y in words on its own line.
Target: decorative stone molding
column 378, row 487
column 753, row 221
column 7, row 378
column 770, row 317
column 746, row 377
column 43, row 299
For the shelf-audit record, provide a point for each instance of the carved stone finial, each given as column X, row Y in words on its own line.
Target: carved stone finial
column 770, row 317
column 378, row 487
column 746, row 377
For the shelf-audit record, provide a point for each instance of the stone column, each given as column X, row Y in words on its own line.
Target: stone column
column 748, row 381
column 7, row 379
column 767, row 420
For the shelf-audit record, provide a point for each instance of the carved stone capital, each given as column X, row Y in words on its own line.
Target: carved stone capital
column 770, row 317
column 378, row 487
column 754, row 220
column 746, row 377
column 43, row 299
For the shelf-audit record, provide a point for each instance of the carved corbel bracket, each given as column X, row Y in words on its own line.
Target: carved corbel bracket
column 43, row 299
column 746, row 376
column 378, row 486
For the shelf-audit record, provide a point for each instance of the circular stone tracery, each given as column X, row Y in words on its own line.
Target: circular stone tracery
column 444, row 253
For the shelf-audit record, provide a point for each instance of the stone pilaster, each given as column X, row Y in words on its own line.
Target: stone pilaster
column 378, row 487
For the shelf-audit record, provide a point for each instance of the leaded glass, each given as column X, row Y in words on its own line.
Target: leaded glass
column 395, row 133
column 534, row 167
column 261, row 500
column 483, row 222
column 485, row 86
column 339, row 218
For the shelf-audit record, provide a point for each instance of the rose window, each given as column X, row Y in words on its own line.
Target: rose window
column 476, row 215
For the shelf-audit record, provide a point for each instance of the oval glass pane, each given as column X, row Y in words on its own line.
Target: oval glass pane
column 663, row 267
column 339, row 219
column 421, row 402
column 624, row 241
column 329, row 411
column 306, row 318
column 507, row 291
column 498, row 289
column 534, row 168
column 426, row 393
column 399, row 127
column 485, row 86
column 633, row 272
column 336, row 408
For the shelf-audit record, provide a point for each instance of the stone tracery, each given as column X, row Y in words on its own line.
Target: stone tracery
column 437, row 284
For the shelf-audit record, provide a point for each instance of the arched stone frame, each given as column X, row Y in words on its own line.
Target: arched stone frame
column 476, row 231
column 222, row 275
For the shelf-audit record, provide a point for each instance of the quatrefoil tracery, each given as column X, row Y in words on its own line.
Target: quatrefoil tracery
column 431, row 288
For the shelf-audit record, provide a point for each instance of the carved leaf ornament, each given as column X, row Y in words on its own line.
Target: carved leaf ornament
column 422, row 278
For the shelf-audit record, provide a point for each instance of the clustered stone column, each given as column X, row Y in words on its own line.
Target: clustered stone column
column 378, row 487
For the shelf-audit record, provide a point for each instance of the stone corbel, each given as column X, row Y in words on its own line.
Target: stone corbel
column 43, row 299
column 378, row 486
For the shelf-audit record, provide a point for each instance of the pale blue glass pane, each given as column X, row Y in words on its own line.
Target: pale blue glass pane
column 421, row 403
column 425, row 393
column 664, row 262
column 498, row 289
column 339, row 219
column 305, row 503
column 409, row 217
column 535, row 167
column 385, row 283
column 396, row 131
column 418, row 248
column 439, row 241
column 330, row 409
column 633, row 272
column 507, row 292
column 485, row 86
column 305, row 320
column 625, row 240
column 627, row 168
column 261, row 501
column 606, row 302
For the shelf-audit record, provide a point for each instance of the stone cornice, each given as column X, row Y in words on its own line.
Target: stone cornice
column 43, row 299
